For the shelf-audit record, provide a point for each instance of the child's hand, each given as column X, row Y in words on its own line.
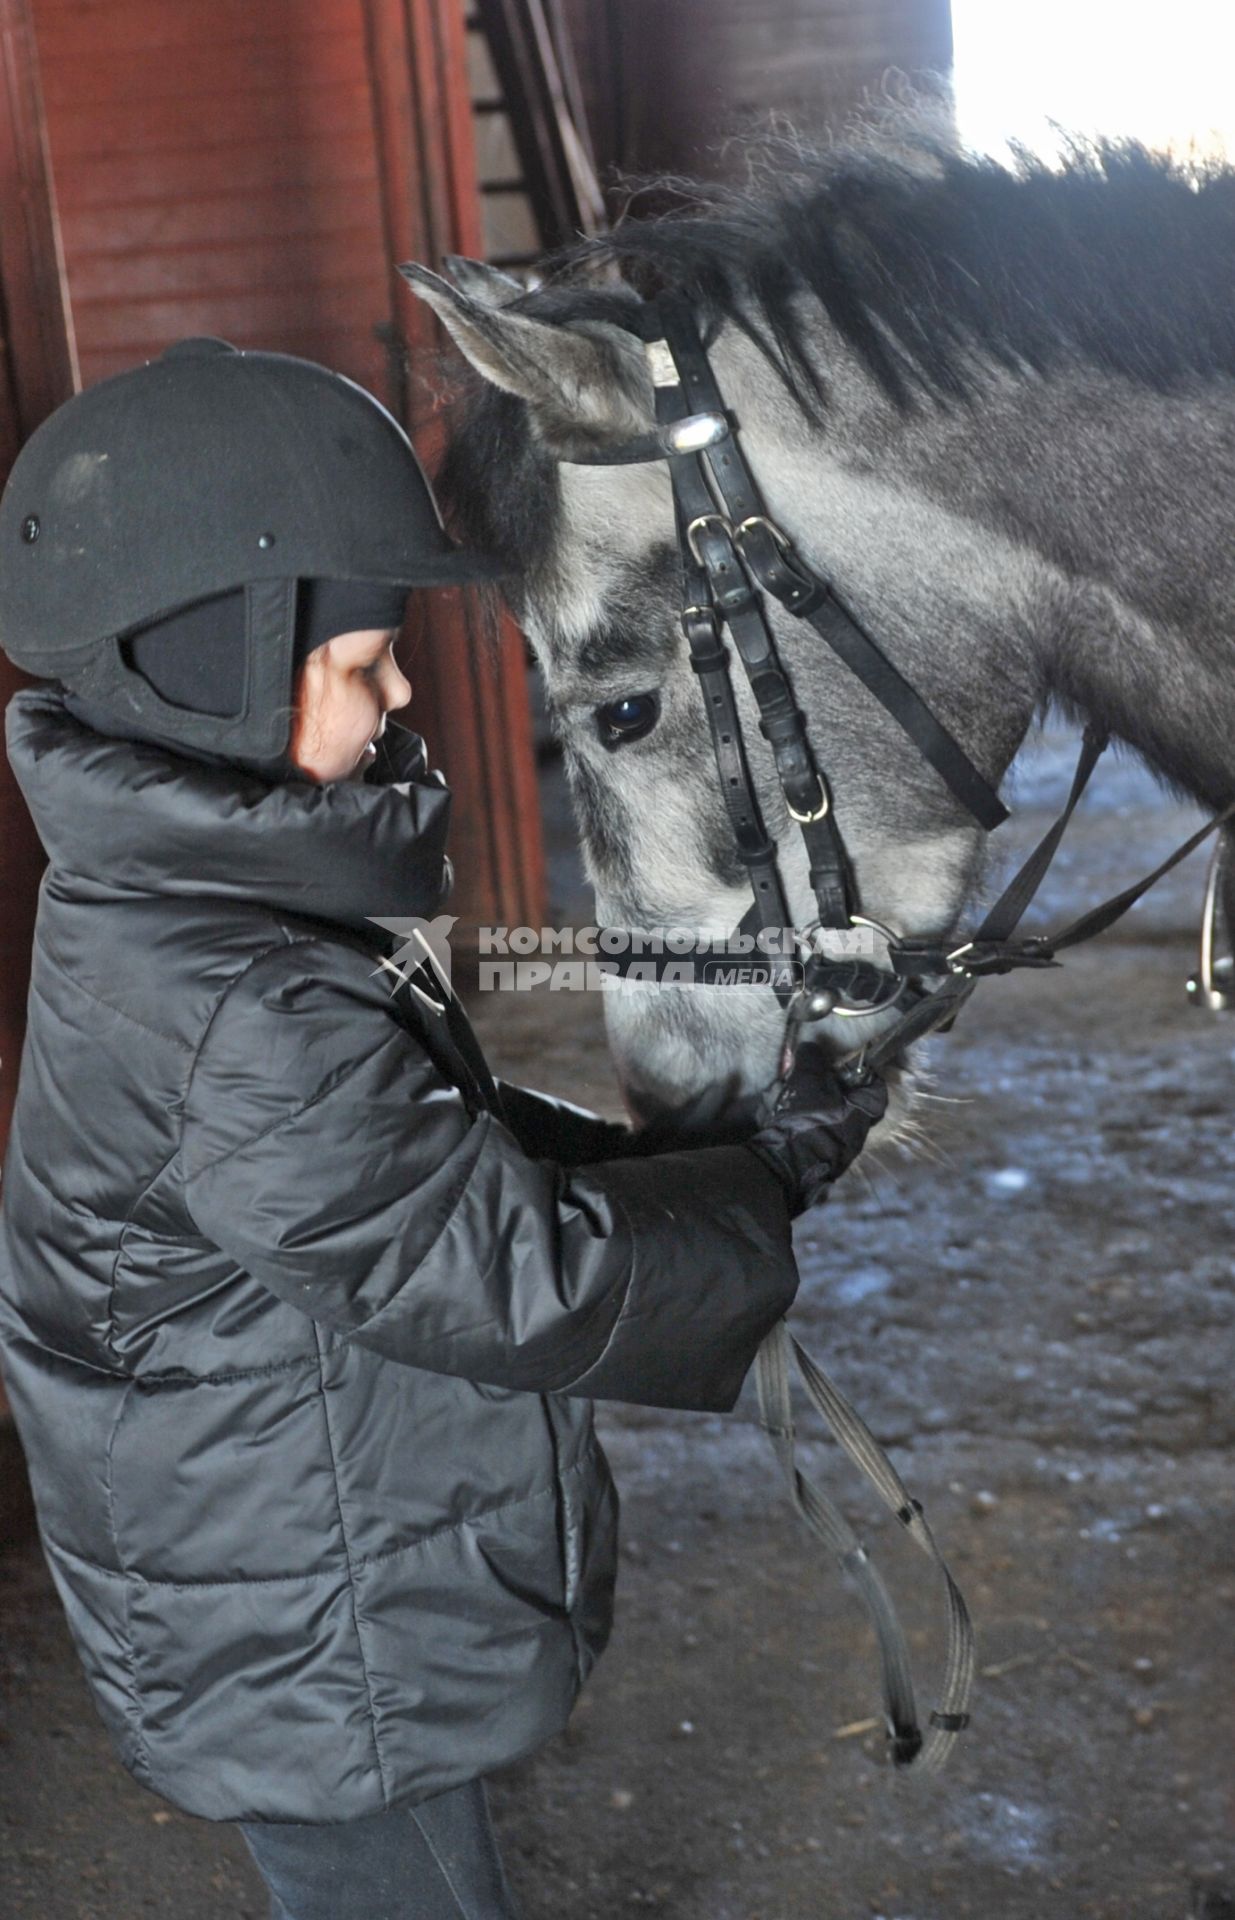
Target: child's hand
column 818, row 1127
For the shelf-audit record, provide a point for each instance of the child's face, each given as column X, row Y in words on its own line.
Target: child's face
column 345, row 690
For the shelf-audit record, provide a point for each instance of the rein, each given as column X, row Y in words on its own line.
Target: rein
column 733, row 554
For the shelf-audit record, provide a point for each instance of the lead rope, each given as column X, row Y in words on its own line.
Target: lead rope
column 829, row 1525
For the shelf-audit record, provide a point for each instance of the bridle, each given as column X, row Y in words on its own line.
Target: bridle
column 735, row 558
column 734, row 554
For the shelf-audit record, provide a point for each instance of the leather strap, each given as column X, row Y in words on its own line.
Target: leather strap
column 717, row 584
column 802, row 592
column 992, row 948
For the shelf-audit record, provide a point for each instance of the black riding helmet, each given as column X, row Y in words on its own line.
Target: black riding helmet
column 210, row 472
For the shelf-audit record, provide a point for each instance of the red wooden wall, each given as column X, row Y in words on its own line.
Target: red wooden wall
column 217, row 172
column 253, row 171
column 37, row 371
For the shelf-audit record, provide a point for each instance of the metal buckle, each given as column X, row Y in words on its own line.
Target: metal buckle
column 821, row 810
column 761, row 520
column 955, row 955
column 704, row 520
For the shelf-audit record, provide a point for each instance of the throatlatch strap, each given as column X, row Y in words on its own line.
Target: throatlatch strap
column 992, row 948
column 829, row 1525
column 1006, row 914
column 850, row 642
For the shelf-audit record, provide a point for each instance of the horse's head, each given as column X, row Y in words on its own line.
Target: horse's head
column 598, row 588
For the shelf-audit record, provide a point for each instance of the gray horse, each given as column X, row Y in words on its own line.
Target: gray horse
column 994, row 405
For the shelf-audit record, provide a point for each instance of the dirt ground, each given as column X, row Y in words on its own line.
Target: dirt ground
column 1036, row 1319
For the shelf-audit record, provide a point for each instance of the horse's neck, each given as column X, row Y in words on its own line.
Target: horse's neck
column 1126, row 497
column 1072, row 532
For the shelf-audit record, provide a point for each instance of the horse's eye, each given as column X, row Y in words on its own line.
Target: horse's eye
column 627, row 719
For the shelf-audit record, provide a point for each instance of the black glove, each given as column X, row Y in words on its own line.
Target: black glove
column 817, row 1127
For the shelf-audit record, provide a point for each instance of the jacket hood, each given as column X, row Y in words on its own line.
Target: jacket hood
column 126, row 816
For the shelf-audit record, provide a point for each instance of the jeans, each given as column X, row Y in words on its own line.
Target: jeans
column 435, row 1861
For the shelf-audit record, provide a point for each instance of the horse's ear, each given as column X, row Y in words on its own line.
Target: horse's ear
column 586, row 384
column 487, row 285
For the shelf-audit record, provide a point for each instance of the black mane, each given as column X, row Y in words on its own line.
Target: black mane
column 1119, row 256
column 919, row 256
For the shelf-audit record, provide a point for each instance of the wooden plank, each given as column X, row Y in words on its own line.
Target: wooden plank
column 335, row 258
column 200, row 71
column 242, row 167
column 514, row 890
column 470, row 703
column 271, row 316
column 459, row 157
column 162, row 129
column 552, row 155
column 39, row 334
column 596, row 30
column 354, row 352
column 37, row 371
column 208, row 220
column 77, row 29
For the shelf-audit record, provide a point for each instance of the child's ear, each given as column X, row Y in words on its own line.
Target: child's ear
column 586, row 383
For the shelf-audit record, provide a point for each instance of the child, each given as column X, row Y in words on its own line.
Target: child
column 302, row 1314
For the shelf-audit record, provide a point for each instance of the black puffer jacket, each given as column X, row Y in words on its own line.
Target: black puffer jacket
column 300, row 1337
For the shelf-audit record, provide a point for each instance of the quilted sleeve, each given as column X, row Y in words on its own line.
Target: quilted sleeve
column 548, row 1128
column 325, row 1153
